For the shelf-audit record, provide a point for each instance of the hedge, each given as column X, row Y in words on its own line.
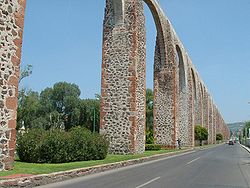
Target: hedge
column 57, row 146
column 152, row 147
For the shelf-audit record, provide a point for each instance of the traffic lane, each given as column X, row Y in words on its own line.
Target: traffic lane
column 224, row 168
column 219, row 168
column 134, row 175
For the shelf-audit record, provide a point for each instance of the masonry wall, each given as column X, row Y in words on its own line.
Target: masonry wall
column 11, row 29
column 176, row 110
column 123, row 76
column 123, row 90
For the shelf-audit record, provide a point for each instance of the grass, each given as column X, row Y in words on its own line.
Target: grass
column 34, row 168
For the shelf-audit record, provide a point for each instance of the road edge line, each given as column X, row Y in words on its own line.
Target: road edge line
column 44, row 179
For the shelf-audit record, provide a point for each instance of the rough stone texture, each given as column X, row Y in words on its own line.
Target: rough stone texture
column 181, row 100
column 11, row 29
column 205, row 109
column 182, row 130
column 123, row 76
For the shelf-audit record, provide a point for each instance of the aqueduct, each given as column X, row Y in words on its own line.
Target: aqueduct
column 181, row 100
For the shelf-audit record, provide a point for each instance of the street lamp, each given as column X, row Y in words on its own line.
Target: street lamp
column 94, row 121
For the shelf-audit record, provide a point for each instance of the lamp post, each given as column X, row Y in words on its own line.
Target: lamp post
column 94, row 121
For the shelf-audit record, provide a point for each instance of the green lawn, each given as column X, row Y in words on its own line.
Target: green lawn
column 32, row 168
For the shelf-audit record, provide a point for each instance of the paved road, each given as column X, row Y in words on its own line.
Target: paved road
column 221, row 167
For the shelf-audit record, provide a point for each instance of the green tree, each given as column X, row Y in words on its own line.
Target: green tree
column 22, row 93
column 149, row 109
column 58, row 107
column 201, row 133
column 25, row 72
column 90, row 114
column 246, row 129
column 28, row 108
column 63, row 98
column 149, row 137
column 219, row 137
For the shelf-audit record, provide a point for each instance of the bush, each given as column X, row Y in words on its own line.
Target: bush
column 219, row 136
column 57, row 146
column 152, row 147
column 54, row 147
column 149, row 137
column 201, row 133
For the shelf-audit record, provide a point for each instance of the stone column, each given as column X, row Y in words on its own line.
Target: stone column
column 123, row 76
column 165, row 90
column 205, row 110
column 11, row 31
column 191, row 111
column 210, row 121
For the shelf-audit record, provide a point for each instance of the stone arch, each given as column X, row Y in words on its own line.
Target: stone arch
column 202, row 91
column 211, row 121
column 191, row 104
column 181, row 66
column 201, row 96
column 194, row 85
column 205, row 108
column 182, row 128
column 123, row 97
column 123, row 79
column 118, row 11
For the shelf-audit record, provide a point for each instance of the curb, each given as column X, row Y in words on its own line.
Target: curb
column 246, row 148
column 44, row 179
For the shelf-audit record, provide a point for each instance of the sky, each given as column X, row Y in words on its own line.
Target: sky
column 63, row 41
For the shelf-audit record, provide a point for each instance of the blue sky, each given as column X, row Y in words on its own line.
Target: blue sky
column 63, row 42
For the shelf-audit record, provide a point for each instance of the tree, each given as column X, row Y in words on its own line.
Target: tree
column 58, row 107
column 28, row 108
column 149, row 137
column 63, row 98
column 219, row 137
column 25, row 72
column 201, row 133
column 22, row 93
column 90, row 114
column 149, row 109
column 246, row 129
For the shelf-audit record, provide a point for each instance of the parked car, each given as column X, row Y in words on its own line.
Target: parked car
column 231, row 142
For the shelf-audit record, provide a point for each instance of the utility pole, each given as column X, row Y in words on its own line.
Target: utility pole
column 94, row 121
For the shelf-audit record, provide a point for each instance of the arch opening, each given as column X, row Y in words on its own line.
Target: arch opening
column 194, row 85
column 151, row 33
column 118, row 6
column 181, row 65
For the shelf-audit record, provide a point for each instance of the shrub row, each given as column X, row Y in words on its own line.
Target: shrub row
column 152, row 147
column 57, row 146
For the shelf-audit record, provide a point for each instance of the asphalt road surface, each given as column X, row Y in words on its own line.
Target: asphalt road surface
column 220, row 167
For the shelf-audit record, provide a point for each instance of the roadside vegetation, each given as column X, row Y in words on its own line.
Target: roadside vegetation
column 58, row 131
column 59, row 146
column 37, row 168
column 219, row 137
column 201, row 133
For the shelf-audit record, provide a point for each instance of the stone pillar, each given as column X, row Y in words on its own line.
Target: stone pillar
column 210, row 123
column 182, row 96
column 214, row 123
column 205, row 110
column 191, row 114
column 123, row 87
column 11, row 31
column 165, row 89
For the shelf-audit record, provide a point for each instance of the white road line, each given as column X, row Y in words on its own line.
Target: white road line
column 148, row 182
column 193, row 160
